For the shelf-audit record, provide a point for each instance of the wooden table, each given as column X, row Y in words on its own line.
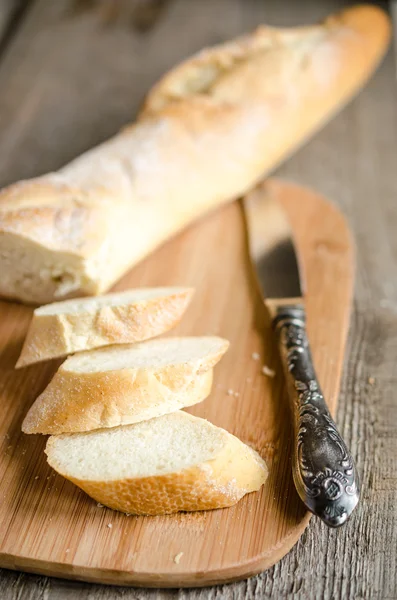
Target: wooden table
column 68, row 82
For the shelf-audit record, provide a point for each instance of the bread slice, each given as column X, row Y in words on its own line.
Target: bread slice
column 71, row 326
column 176, row 462
column 126, row 384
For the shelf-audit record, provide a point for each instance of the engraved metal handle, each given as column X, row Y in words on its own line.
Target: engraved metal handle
column 323, row 468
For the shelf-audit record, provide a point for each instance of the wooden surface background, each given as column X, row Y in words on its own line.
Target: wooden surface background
column 69, row 81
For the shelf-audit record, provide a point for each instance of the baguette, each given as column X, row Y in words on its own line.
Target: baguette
column 71, row 326
column 207, row 132
column 125, row 384
column 173, row 463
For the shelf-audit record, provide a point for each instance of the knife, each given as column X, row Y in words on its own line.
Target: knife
column 323, row 469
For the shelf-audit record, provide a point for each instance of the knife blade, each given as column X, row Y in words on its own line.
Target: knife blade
column 323, row 469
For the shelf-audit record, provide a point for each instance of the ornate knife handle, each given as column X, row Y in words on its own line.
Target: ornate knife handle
column 323, row 469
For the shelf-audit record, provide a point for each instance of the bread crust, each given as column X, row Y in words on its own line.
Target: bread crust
column 76, row 401
column 208, row 131
column 56, row 335
column 221, row 482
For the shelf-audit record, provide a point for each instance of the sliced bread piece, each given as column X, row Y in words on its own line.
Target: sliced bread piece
column 71, row 326
column 126, row 384
column 176, row 462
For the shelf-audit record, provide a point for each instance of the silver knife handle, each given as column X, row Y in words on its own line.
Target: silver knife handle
column 323, row 468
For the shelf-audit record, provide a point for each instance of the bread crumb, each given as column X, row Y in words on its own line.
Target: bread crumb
column 67, row 550
column 110, row 525
column 268, row 371
column 99, row 505
column 371, row 380
column 36, row 477
column 230, row 393
column 256, row 356
column 178, row 557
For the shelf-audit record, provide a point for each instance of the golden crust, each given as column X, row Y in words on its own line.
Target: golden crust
column 76, row 401
column 360, row 36
column 56, row 335
column 219, row 483
column 207, row 132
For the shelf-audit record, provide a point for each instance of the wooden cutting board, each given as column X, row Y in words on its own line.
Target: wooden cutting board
column 49, row 526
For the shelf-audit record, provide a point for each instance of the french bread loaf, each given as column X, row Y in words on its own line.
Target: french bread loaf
column 71, row 326
column 207, row 132
column 124, row 384
column 176, row 462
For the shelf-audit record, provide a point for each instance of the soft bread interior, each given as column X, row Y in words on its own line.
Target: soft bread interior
column 168, row 444
column 33, row 274
column 80, row 305
column 148, row 355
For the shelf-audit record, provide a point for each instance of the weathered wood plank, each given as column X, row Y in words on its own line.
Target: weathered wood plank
column 393, row 12
column 10, row 13
column 6, row 10
column 66, row 104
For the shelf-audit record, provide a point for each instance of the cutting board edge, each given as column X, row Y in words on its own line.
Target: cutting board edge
column 170, row 580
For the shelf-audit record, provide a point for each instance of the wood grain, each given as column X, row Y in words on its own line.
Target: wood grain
column 51, row 527
column 54, row 105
